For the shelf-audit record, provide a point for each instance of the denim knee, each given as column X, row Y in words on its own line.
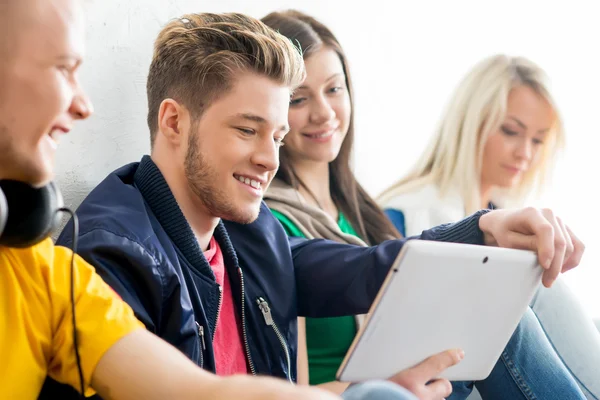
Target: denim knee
column 377, row 390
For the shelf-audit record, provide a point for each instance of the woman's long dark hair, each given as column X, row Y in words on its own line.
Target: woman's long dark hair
column 358, row 207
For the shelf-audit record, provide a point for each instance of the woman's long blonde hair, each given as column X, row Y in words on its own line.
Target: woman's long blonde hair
column 453, row 159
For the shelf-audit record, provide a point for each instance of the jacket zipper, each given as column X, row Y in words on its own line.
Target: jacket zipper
column 266, row 312
column 218, row 311
column 244, row 330
column 201, row 334
column 201, row 328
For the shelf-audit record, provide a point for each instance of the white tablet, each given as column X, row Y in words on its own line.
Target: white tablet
column 439, row 296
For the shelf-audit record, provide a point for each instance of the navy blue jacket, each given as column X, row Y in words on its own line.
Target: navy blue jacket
column 133, row 231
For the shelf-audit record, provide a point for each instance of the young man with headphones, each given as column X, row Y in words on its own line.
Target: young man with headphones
column 184, row 237
column 100, row 346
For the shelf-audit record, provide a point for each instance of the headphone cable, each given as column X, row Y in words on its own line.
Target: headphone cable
column 75, row 339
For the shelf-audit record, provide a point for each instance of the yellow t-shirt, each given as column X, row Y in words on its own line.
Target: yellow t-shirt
column 36, row 329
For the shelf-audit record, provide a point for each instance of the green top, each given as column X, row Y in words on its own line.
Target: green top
column 327, row 339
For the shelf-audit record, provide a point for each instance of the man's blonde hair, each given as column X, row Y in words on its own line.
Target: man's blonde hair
column 197, row 57
column 454, row 157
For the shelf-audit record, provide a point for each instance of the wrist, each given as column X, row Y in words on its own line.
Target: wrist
column 485, row 225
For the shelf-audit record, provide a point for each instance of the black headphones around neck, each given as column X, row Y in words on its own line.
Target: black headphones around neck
column 28, row 215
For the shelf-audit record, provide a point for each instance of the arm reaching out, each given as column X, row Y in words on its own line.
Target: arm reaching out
column 142, row 366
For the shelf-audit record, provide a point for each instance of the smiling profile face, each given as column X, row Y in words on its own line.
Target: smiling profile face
column 41, row 97
column 233, row 150
column 320, row 110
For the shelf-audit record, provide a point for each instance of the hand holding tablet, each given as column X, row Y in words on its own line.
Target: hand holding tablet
column 441, row 296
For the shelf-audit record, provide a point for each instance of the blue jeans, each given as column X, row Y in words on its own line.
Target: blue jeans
column 572, row 334
column 528, row 369
column 377, row 390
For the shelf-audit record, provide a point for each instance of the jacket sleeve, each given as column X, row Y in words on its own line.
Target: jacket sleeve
column 143, row 281
column 335, row 279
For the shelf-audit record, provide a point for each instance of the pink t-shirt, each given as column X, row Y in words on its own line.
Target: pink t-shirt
column 230, row 357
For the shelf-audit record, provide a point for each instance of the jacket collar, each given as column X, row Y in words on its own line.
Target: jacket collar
column 157, row 194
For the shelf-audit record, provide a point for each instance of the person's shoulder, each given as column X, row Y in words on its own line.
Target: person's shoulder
column 115, row 206
column 418, row 198
column 34, row 266
column 280, row 194
column 116, row 193
column 40, row 255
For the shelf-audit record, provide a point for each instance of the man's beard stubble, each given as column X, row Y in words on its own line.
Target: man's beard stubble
column 204, row 182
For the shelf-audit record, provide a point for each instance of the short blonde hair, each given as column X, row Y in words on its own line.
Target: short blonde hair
column 196, row 58
column 454, row 157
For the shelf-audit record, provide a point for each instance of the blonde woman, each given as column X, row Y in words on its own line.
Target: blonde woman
column 494, row 147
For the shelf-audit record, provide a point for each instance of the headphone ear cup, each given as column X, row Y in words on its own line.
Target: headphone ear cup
column 32, row 213
column 3, row 212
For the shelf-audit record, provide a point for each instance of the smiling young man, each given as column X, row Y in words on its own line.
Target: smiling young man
column 228, row 294
column 41, row 49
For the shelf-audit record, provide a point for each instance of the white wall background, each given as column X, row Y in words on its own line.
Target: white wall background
column 405, row 57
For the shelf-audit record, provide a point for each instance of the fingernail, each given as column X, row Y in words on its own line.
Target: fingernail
column 547, row 262
column 461, row 354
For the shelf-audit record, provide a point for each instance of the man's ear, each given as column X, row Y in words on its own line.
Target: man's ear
column 173, row 121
